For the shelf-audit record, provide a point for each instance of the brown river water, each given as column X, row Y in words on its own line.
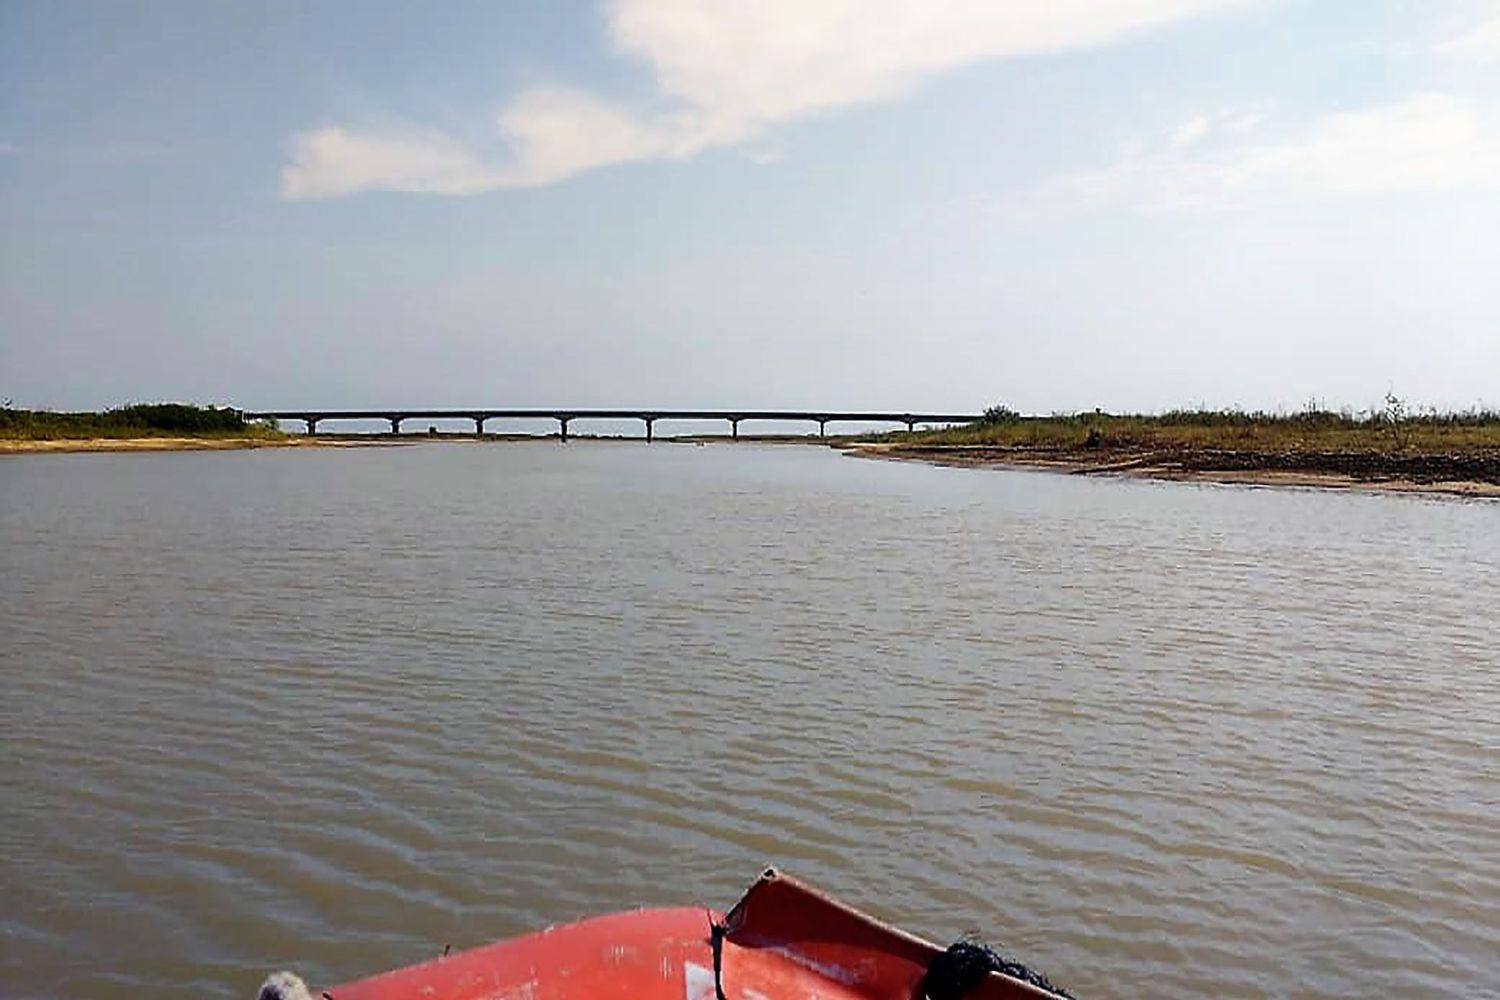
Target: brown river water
column 333, row 710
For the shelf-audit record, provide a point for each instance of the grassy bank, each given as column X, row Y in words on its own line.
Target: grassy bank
column 1314, row 430
column 1386, row 444
column 142, row 420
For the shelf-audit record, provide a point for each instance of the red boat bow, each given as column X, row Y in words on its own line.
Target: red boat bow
column 782, row 941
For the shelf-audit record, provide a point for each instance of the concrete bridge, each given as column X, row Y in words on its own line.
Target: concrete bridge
column 648, row 417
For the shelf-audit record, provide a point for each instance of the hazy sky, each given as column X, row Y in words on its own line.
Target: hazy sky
column 1058, row 204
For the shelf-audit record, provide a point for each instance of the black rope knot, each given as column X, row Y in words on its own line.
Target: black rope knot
column 965, row 964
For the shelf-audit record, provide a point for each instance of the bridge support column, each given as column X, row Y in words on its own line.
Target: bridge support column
column 563, row 424
column 734, row 428
column 479, row 425
column 911, row 425
column 395, row 424
column 822, row 427
column 312, row 426
column 650, row 428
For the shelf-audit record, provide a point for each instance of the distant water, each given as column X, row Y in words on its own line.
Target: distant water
column 332, row 710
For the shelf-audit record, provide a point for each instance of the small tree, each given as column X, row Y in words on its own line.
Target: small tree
column 1396, row 415
column 999, row 414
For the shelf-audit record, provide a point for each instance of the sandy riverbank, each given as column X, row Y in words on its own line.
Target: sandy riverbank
column 18, row 446
column 1459, row 475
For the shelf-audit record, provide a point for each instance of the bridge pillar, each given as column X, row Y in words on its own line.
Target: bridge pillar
column 312, row 426
column 479, row 425
column 650, row 425
column 822, row 427
column 563, row 423
column 911, row 425
column 734, row 428
column 395, row 424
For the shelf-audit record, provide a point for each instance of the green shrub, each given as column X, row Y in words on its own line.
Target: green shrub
column 135, row 420
column 999, row 414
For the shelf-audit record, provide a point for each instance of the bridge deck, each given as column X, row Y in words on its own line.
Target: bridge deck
column 649, row 417
column 830, row 416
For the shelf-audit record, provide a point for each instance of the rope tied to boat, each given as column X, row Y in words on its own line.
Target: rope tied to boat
column 716, row 932
column 965, row 964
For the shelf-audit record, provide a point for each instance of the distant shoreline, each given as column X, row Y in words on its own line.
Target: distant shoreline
column 1369, row 471
column 152, row 443
column 44, row 446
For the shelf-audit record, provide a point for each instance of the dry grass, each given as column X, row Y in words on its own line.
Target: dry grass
column 1390, row 431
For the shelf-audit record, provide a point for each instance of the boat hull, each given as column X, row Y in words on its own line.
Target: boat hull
column 783, row 941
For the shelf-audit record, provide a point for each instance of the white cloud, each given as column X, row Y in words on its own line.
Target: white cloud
column 1195, row 129
column 1426, row 142
column 726, row 71
column 1242, row 122
column 1481, row 40
column 1189, row 132
column 333, row 161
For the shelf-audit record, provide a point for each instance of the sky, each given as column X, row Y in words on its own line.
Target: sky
column 885, row 204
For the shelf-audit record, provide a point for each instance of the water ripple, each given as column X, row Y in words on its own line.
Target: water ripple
column 337, row 710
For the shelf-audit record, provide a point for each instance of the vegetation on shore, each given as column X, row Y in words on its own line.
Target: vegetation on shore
column 1391, row 428
column 138, row 420
column 1389, row 443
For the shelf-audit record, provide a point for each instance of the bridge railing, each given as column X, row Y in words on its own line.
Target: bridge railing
column 564, row 417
